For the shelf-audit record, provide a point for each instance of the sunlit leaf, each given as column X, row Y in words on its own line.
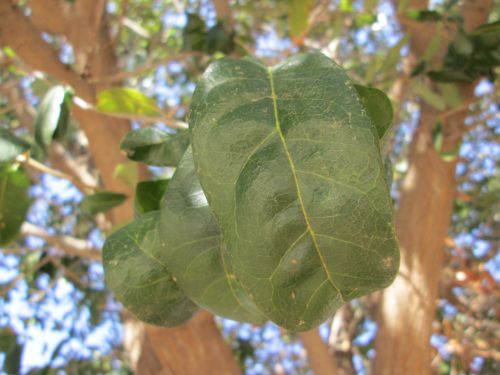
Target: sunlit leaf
column 14, row 202
column 298, row 18
column 127, row 173
column 128, row 101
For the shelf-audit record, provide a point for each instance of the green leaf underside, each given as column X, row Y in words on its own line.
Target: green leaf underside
column 52, row 119
column 139, row 280
column 193, row 250
column 101, row 202
column 14, row 203
column 11, row 146
column 155, row 147
column 291, row 167
column 127, row 100
column 378, row 106
column 148, row 195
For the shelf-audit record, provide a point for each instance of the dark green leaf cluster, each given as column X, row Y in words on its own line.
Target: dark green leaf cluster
column 196, row 37
column 469, row 57
column 279, row 210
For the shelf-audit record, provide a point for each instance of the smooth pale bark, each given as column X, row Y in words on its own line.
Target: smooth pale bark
column 318, row 355
column 197, row 347
column 408, row 306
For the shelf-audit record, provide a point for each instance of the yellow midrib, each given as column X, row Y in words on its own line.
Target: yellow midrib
column 296, row 181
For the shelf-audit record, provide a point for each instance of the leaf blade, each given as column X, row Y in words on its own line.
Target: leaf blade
column 194, row 251
column 255, row 184
column 139, row 280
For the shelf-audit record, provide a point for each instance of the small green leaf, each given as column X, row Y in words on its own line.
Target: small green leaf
column 487, row 28
column 194, row 252
column 346, row 6
column 128, row 101
column 424, row 15
column 139, row 280
column 127, row 173
column 437, row 140
column 155, row 147
column 450, row 155
column 364, row 19
column 419, row 69
column 52, row 119
column 14, row 202
column 148, row 195
column 451, row 94
column 12, row 350
column 429, row 96
column 463, row 43
column 437, row 136
column 378, row 106
column 450, row 76
column 298, row 17
column 11, row 146
column 101, row 202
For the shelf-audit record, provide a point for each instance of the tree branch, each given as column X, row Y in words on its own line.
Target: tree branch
column 320, row 360
column 69, row 245
column 123, row 75
column 32, row 163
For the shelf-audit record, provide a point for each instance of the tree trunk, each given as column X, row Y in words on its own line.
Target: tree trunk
column 408, row 306
column 192, row 349
column 197, row 347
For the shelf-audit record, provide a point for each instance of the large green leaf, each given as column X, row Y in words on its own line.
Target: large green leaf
column 378, row 106
column 193, row 250
column 291, row 166
column 155, row 147
column 11, row 146
column 101, row 201
column 128, row 101
column 52, row 118
column 139, row 279
column 14, row 202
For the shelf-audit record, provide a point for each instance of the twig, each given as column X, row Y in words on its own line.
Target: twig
column 69, row 245
column 165, row 119
column 174, row 124
column 121, row 76
column 25, row 160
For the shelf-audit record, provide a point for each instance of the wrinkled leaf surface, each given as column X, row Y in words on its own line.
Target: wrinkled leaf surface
column 291, row 166
column 139, row 279
column 194, row 251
